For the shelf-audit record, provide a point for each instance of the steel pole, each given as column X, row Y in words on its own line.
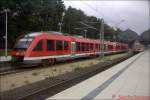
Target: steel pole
column 85, row 33
column 6, row 35
column 102, row 36
column 60, row 27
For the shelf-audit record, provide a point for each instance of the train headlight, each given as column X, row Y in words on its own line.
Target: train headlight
column 17, row 53
column 22, row 53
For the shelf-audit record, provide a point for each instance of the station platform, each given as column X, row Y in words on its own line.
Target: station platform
column 5, row 58
column 128, row 80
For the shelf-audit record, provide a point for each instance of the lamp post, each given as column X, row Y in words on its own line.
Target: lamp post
column 6, row 11
column 102, row 36
column 85, row 33
column 60, row 24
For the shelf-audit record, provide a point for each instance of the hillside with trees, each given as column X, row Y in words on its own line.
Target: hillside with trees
column 128, row 36
column 45, row 15
column 145, row 37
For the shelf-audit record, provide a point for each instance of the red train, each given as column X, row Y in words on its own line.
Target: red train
column 51, row 46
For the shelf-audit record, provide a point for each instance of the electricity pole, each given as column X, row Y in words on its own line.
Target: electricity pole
column 6, row 11
column 85, row 33
column 60, row 24
column 102, row 37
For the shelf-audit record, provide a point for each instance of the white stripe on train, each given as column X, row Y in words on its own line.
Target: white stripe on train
column 64, row 56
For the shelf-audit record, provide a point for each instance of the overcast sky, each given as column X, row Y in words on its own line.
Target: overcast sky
column 135, row 14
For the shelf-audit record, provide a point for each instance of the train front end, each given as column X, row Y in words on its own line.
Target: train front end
column 20, row 48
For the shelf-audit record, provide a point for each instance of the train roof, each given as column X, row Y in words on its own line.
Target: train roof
column 61, row 36
column 32, row 34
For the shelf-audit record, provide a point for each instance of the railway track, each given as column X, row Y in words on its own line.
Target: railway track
column 63, row 82
column 7, row 68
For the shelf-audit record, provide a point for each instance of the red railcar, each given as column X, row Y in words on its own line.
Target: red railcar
column 49, row 46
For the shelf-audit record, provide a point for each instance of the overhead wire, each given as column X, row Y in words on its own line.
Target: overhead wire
column 118, row 14
column 75, row 5
column 97, row 11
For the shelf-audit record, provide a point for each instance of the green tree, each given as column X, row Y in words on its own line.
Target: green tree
column 30, row 15
column 71, row 19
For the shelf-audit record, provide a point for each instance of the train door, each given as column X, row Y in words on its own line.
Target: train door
column 105, row 48
column 73, row 47
column 114, row 47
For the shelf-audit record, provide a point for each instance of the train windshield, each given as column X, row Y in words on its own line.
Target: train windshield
column 23, row 43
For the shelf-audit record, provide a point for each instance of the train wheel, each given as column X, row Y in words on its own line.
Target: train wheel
column 46, row 62
column 51, row 61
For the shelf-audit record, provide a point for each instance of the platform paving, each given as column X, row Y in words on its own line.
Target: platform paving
column 128, row 79
column 5, row 58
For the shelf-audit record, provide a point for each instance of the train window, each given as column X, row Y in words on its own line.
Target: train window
column 91, row 46
column 38, row 46
column 50, row 45
column 59, row 45
column 96, row 46
column 110, row 47
column 78, row 46
column 65, row 45
column 99, row 47
column 87, row 47
column 82, row 46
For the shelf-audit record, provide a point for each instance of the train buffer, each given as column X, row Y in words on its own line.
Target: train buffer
column 128, row 79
